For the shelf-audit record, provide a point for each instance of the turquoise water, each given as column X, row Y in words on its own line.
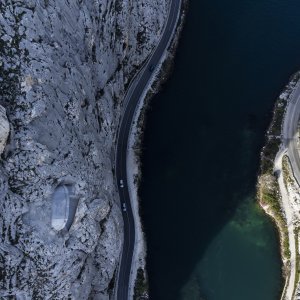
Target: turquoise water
column 206, row 237
column 238, row 262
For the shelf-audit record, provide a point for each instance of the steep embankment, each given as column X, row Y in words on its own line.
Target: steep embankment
column 65, row 66
column 276, row 191
column 139, row 275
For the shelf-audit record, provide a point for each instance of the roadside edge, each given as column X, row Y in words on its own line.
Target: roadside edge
column 138, row 289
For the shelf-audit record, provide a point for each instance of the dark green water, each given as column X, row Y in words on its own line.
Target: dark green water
column 206, row 237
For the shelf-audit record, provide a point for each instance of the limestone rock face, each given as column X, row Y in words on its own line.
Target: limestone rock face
column 64, row 69
column 4, row 128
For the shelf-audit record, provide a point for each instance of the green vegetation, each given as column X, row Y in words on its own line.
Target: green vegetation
column 141, row 286
column 268, row 155
column 273, row 141
column 278, row 114
column 268, row 195
column 286, row 170
column 297, row 262
column 268, row 190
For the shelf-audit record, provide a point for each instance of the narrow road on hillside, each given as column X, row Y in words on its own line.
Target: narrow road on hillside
column 290, row 148
column 289, row 131
column 131, row 101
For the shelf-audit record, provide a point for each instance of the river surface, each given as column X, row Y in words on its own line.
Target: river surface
column 206, row 237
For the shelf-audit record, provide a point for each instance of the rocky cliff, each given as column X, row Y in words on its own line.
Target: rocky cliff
column 64, row 68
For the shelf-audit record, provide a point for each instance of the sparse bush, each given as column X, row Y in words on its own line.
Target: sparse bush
column 141, row 286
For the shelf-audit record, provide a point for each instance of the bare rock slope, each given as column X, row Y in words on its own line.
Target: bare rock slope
column 4, row 128
column 64, row 68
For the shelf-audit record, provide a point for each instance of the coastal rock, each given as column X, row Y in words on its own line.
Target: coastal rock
column 4, row 128
column 64, row 70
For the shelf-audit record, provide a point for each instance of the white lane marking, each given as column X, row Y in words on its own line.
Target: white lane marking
column 130, row 91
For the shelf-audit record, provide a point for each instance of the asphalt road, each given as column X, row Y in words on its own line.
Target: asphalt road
column 130, row 102
column 289, row 131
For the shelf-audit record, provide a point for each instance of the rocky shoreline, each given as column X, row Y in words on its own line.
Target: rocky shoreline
column 139, row 277
column 269, row 193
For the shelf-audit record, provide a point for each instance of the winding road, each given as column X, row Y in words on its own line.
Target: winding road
column 131, row 101
column 289, row 147
column 289, row 131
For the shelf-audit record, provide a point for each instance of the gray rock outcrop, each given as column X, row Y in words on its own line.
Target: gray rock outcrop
column 4, row 128
column 64, row 68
